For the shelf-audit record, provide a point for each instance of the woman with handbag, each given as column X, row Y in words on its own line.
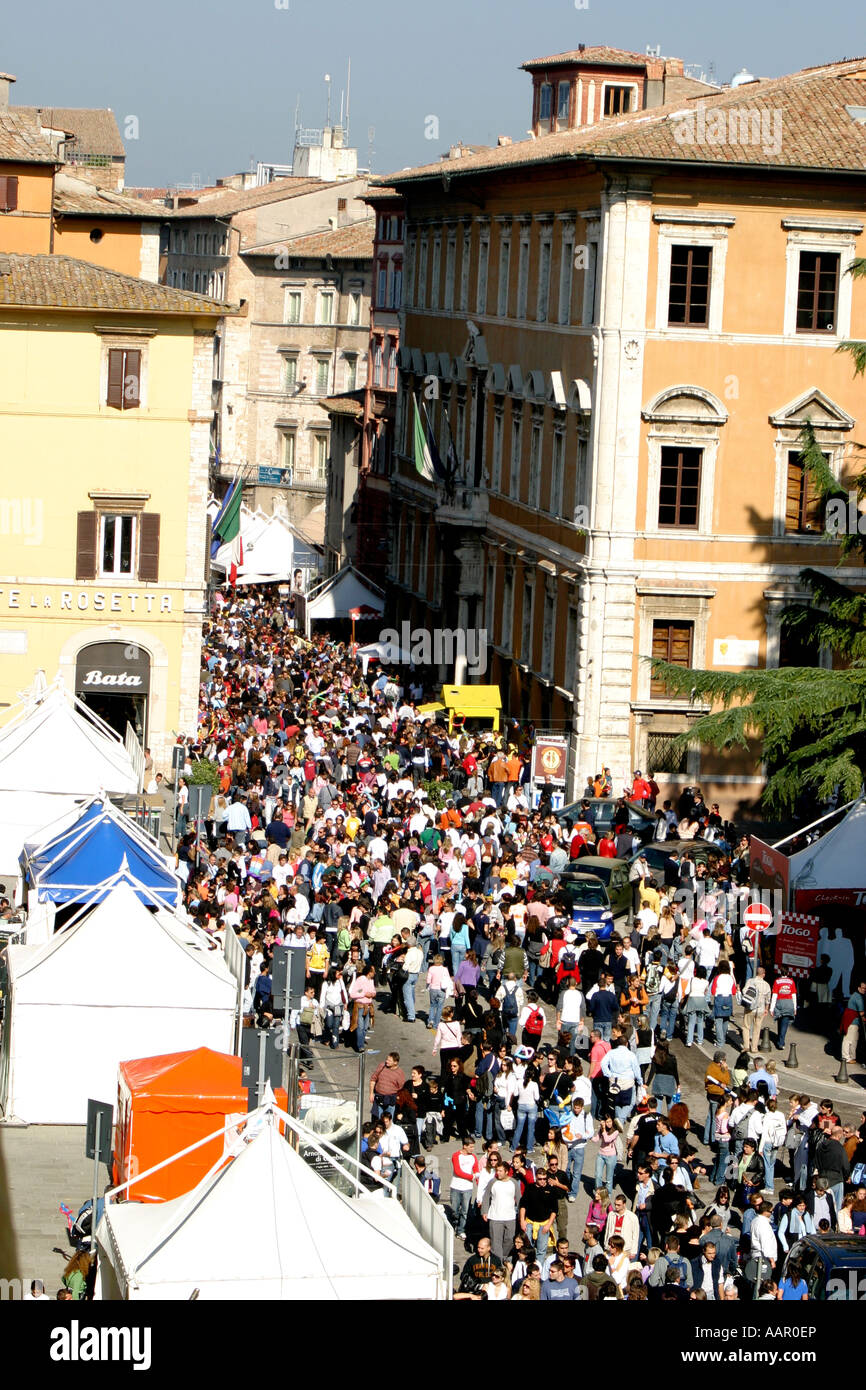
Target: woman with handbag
column 504, row 1092
column 663, row 1077
column 333, row 1000
column 696, row 1006
column 724, row 992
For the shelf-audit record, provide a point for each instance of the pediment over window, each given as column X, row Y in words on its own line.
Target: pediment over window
column 418, row 365
column 690, row 405
column 534, row 386
column 404, row 357
column 556, row 391
column 515, row 380
column 812, row 406
column 496, row 378
column 580, row 396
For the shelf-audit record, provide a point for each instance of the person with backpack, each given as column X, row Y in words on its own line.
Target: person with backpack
column 511, row 1001
column 783, row 1005
column 486, row 1071
column 570, row 1015
column 531, row 1021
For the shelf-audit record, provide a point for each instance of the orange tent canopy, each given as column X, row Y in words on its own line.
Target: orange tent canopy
column 172, row 1081
column 167, row 1103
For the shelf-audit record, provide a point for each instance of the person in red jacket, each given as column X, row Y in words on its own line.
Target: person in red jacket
column 783, row 1005
column 464, row 1166
column 607, row 846
column 640, row 788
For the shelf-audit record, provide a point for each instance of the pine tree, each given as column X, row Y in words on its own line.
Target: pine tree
column 809, row 720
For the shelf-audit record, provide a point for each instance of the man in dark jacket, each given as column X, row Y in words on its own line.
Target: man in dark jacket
column 726, row 1245
column 707, row 1272
column 832, row 1164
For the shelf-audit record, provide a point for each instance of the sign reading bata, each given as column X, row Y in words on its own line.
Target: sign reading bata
column 115, row 667
column 86, row 600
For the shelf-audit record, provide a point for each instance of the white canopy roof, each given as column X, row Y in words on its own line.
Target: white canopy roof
column 54, row 744
column 301, row 1239
column 345, row 590
column 54, row 753
column 836, row 861
column 272, row 550
column 119, row 981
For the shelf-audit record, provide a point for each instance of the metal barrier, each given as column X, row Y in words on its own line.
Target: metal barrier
column 235, row 958
column 429, row 1221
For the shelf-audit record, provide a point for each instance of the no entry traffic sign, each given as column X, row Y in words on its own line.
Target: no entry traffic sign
column 758, row 915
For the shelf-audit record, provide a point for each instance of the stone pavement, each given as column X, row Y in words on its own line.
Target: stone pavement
column 40, row 1167
column 817, row 1064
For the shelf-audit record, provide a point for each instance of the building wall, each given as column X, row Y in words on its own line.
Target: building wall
column 27, row 230
column 129, row 247
column 619, row 384
column 53, row 372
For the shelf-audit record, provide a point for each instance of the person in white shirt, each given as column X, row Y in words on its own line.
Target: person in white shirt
column 570, row 1013
column 37, row 1293
column 708, row 952
column 764, row 1243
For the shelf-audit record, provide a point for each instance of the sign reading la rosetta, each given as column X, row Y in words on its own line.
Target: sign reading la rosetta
column 84, row 600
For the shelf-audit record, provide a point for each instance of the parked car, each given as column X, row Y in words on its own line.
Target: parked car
column 589, row 904
column 612, row 873
column 834, row 1267
column 658, row 851
column 641, row 821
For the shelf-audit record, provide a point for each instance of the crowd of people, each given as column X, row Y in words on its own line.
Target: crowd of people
column 410, row 865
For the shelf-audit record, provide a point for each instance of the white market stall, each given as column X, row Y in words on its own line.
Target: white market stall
column 121, row 980
column 54, row 752
column 266, row 1225
column 272, row 551
column 337, row 597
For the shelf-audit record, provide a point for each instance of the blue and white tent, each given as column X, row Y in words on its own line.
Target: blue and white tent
column 73, row 866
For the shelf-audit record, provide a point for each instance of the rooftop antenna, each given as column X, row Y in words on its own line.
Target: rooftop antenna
column 348, row 95
column 371, row 136
column 328, row 118
column 297, row 117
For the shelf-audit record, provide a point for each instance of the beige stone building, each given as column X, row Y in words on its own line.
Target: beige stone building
column 624, row 325
column 296, row 254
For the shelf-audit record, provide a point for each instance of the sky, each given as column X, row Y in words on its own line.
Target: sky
column 206, row 86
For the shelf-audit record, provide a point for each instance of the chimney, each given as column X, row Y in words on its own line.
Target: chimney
column 503, row 140
column 581, row 48
column 5, row 79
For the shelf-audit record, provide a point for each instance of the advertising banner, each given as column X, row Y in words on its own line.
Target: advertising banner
column 797, row 943
column 549, row 760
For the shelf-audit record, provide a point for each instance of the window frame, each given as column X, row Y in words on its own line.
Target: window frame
column 826, row 254
column 692, row 230
column 657, row 691
column 679, row 525
column 690, row 249
column 326, row 296
column 840, row 239
column 293, row 294
column 618, row 86
column 115, row 573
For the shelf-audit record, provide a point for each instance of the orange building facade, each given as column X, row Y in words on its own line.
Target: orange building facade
column 624, row 328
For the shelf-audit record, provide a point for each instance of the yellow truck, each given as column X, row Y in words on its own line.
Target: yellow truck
column 468, row 706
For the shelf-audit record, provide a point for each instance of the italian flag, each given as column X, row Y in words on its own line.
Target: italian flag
column 230, row 532
column 427, row 460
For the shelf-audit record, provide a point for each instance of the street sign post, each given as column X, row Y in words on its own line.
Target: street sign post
column 758, row 917
column 97, row 1145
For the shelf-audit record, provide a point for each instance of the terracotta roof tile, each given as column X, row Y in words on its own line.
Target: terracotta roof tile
column 226, row 201
column 76, row 198
column 352, row 243
column 599, row 53
column 62, row 282
column 95, row 130
column 22, row 142
column 804, row 114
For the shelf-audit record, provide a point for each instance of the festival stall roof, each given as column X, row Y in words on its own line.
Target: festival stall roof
column 307, row 1240
column 833, row 869
column 72, row 866
column 54, row 753
column 117, row 982
column 337, row 596
column 272, row 550
column 166, row 1103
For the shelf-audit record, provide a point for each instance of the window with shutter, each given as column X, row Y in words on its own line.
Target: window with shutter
column 679, row 487
column 802, row 503
column 124, row 378
column 148, row 554
column 672, row 642
column 85, row 546
column 9, row 193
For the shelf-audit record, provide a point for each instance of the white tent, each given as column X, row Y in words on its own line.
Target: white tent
column 54, row 751
column 265, row 1226
column 119, row 981
column 337, row 596
column 833, row 869
column 272, row 550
